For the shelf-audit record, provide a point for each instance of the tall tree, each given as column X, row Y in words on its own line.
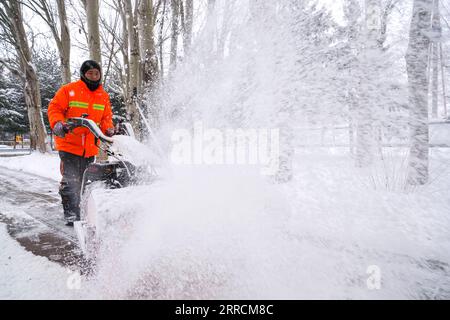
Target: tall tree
column 64, row 46
column 124, row 50
column 224, row 30
column 161, row 38
column 365, row 141
column 348, row 63
column 435, row 52
column 187, row 25
column 149, row 60
column 92, row 8
column 211, row 26
column 12, row 22
column 361, row 64
column 175, row 5
column 387, row 8
column 134, row 84
column 417, row 65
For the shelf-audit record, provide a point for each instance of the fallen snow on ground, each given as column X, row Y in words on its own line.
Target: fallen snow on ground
column 26, row 276
column 228, row 232
column 45, row 165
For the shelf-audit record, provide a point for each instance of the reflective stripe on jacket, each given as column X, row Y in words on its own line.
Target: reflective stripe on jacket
column 74, row 100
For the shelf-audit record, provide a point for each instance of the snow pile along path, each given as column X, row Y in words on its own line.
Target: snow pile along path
column 44, row 165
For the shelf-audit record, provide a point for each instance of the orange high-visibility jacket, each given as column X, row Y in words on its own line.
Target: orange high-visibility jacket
column 74, row 100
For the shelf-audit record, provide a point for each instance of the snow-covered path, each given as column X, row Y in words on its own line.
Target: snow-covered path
column 230, row 236
column 30, row 208
column 38, row 259
column 24, row 275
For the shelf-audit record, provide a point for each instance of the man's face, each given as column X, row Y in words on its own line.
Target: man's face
column 93, row 74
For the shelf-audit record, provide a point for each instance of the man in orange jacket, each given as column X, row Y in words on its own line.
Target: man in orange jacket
column 78, row 148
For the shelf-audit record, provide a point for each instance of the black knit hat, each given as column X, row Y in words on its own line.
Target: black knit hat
column 89, row 64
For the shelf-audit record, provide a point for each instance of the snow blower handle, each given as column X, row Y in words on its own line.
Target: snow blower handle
column 88, row 123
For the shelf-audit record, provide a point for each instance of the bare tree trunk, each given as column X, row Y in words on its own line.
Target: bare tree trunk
column 351, row 137
column 124, row 50
column 365, row 140
column 174, row 38
column 211, row 25
column 92, row 7
column 444, row 90
column 188, row 22
column 417, row 64
column 133, row 45
column 434, row 79
column 149, row 60
column 64, row 52
column 352, row 13
column 38, row 135
column 387, row 10
column 436, row 27
column 161, row 40
column 95, row 51
column 225, row 28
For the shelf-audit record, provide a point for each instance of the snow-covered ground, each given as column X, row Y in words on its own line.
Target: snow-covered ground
column 228, row 232
column 7, row 151
column 26, row 276
column 43, row 165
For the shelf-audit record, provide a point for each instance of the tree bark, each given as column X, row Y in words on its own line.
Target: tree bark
column 64, row 51
column 188, row 22
column 436, row 28
column 124, row 50
column 134, row 81
column 161, row 40
column 417, row 65
column 365, row 140
column 174, row 38
column 149, row 59
column 388, row 7
column 92, row 7
column 225, row 28
column 38, row 135
column 211, row 25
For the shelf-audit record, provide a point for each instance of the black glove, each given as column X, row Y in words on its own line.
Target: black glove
column 60, row 129
column 110, row 132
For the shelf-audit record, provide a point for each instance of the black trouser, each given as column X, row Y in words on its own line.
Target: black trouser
column 72, row 169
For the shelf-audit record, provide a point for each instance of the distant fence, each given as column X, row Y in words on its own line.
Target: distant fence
column 342, row 136
column 11, row 141
column 16, row 141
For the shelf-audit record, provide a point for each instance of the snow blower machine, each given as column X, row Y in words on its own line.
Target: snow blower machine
column 128, row 163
